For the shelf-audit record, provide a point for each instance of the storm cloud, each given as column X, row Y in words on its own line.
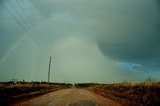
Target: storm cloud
column 123, row 29
column 101, row 41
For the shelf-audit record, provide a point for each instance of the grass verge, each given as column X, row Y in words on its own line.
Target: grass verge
column 132, row 94
column 14, row 92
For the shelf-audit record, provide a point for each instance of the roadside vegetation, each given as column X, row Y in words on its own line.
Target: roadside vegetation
column 11, row 92
column 130, row 94
column 145, row 93
column 84, row 85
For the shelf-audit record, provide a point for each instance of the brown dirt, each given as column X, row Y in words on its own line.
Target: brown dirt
column 69, row 97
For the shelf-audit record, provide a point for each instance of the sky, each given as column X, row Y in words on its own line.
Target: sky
column 97, row 41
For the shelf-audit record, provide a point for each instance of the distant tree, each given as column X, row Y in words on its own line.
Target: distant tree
column 150, row 79
column 125, row 81
column 23, row 81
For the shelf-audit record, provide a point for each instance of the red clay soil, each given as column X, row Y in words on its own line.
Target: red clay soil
column 69, row 97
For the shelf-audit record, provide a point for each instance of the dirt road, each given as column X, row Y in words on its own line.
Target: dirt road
column 69, row 97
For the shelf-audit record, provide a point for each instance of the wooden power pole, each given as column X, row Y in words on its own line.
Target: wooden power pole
column 49, row 69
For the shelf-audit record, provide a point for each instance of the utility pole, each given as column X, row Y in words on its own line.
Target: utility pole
column 49, row 69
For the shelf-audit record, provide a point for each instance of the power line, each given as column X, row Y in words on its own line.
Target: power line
column 50, row 58
column 26, row 25
column 36, row 30
column 23, row 27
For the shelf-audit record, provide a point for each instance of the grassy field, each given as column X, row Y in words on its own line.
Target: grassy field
column 11, row 92
column 130, row 94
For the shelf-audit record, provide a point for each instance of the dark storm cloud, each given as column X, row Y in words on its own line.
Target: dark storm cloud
column 131, row 48
column 99, row 40
column 136, row 36
column 125, row 30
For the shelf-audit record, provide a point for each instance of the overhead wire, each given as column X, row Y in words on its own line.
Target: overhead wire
column 19, row 19
column 3, row 3
column 35, row 33
column 35, row 28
